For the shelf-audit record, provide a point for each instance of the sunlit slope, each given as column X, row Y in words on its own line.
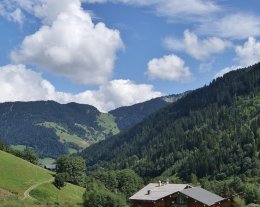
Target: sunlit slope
column 17, row 175
column 32, row 185
column 70, row 194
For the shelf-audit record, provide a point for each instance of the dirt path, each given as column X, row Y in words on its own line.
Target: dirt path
column 27, row 192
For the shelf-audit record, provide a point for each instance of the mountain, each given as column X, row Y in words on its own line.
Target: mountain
column 211, row 132
column 128, row 116
column 32, row 181
column 54, row 129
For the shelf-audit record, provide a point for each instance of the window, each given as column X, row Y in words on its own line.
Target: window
column 174, row 200
column 182, row 200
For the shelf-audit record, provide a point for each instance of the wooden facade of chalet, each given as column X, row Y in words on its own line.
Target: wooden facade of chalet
column 177, row 195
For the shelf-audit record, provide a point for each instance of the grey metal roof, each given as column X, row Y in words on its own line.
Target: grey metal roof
column 157, row 192
column 202, row 195
column 50, row 166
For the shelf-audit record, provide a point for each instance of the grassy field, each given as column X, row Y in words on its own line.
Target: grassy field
column 17, row 175
column 107, row 121
column 92, row 135
column 14, row 201
column 69, row 195
column 65, row 136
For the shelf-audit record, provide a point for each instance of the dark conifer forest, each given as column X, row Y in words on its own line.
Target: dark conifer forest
column 212, row 133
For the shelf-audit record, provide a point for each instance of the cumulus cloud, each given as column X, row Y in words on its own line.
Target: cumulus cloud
column 18, row 83
column 196, row 48
column 226, row 70
column 49, row 10
column 70, row 44
column 249, row 53
column 118, row 93
column 169, row 67
column 234, row 26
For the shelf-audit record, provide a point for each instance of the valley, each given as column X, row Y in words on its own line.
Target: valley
column 208, row 137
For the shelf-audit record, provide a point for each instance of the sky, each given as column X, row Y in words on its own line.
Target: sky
column 112, row 53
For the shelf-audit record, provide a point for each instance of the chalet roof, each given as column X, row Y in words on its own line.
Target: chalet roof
column 157, row 192
column 50, row 166
column 202, row 195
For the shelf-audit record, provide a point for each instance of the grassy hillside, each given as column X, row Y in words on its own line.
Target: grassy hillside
column 107, row 122
column 67, row 137
column 17, row 176
column 70, row 194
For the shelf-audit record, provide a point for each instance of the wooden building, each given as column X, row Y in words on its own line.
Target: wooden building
column 177, row 195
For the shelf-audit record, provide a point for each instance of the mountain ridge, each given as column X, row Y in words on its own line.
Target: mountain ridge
column 54, row 129
column 187, row 136
column 128, row 116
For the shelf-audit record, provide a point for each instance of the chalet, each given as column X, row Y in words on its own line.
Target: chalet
column 177, row 195
column 51, row 167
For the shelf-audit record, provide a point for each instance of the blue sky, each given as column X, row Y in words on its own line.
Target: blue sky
column 110, row 53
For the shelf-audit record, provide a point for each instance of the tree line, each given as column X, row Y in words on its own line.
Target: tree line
column 103, row 188
column 212, row 132
column 26, row 154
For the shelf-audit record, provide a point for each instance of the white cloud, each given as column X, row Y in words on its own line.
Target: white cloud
column 71, row 45
column 226, row 70
column 49, row 10
column 169, row 67
column 13, row 15
column 20, row 84
column 246, row 55
column 198, row 49
column 249, row 53
column 17, row 83
column 9, row 7
column 118, row 93
column 234, row 26
column 16, row 16
column 191, row 10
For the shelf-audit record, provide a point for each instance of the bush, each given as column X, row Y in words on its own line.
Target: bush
column 238, row 202
column 97, row 195
column 252, row 194
column 128, row 182
column 75, row 167
column 60, row 180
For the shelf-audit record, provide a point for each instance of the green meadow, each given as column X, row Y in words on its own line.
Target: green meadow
column 25, row 184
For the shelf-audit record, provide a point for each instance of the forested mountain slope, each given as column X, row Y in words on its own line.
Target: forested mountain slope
column 54, row 129
column 213, row 131
column 128, row 116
